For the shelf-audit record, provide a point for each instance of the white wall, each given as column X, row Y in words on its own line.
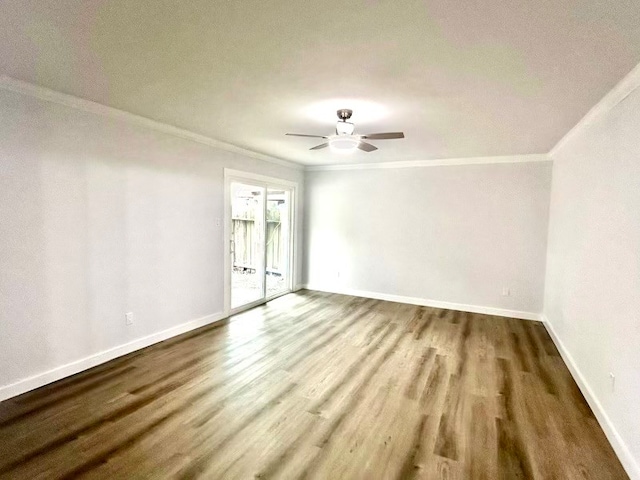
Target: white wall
column 99, row 217
column 454, row 234
column 592, row 299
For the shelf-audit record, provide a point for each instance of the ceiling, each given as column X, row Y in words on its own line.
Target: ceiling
column 464, row 78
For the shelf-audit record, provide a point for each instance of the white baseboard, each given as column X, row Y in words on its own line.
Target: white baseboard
column 428, row 303
column 58, row 373
column 619, row 446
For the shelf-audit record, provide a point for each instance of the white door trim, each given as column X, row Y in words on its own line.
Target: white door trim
column 231, row 175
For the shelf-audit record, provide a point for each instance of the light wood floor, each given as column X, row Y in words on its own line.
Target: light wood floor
column 315, row 385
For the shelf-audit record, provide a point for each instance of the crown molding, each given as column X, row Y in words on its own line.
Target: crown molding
column 434, row 163
column 629, row 84
column 48, row 95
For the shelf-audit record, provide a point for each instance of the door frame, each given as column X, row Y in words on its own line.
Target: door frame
column 266, row 182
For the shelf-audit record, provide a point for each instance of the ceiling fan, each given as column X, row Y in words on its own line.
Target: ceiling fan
column 344, row 138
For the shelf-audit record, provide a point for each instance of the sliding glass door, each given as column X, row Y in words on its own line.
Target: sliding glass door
column 278, row 241
column 260, row 236
column 247, row 244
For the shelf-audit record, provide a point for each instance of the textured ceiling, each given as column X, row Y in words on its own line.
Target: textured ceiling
column 463, row 78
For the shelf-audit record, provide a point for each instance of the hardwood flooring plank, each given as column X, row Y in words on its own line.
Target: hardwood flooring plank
column 410, row 466
column 317, row 385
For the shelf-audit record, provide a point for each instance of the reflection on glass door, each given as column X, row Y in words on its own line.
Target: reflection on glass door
column 278, row 241
column 247, row 244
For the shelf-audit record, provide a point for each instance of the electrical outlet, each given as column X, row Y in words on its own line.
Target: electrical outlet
column 612, row 378
column 506, row 292
column 128, row 318
column 218, row 222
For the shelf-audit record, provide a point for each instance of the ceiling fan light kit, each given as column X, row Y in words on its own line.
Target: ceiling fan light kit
column 344, row 140
column 344, row 144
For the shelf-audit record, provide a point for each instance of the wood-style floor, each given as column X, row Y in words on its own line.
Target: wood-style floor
column 316, row 385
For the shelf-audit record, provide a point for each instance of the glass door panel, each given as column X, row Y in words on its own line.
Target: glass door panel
column 247, row 244
column 278, row 241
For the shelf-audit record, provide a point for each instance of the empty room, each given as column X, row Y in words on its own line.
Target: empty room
column 320, row 240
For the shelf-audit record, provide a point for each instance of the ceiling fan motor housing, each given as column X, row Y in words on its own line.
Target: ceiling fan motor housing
column 343, row 127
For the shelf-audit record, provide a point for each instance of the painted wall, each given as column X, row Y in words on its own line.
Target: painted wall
column 99, row 217
column 592, row 299
column 454, row 234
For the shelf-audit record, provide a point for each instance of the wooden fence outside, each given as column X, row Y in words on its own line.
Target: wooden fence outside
column 245, row 255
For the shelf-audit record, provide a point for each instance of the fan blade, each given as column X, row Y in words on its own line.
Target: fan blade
column 383, row 136
column 318, row 147
column 367, row 147
column 304, row 135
